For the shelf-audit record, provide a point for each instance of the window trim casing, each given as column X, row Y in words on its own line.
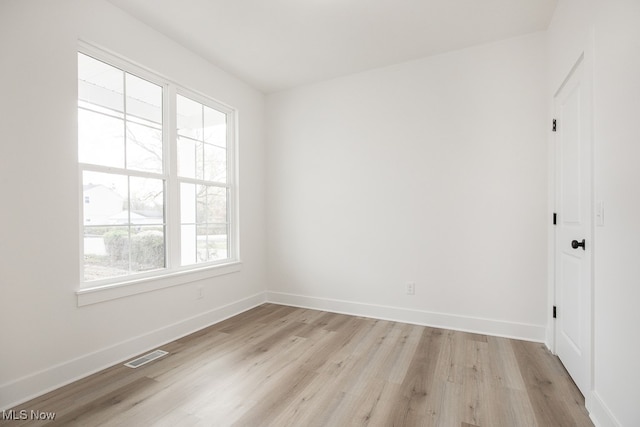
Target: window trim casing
column 173, row 274
column 94, row 295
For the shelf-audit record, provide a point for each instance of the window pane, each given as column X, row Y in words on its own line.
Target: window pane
column 187, row 203
column 105, row 198
column 215, row 163
column 186, row 158
column 219, row 239
column 216, row 211
column 212, row 242
column 100, row 139
column 100, row 84
column 200, row 160
column 147, row 248
column 189, row 117
column 97, row 109
column 144, row 148
column 207, row 240
column 206, row 244
column 106, row 252
column 215, row 127
column 188, row 244
column 201, row 204
column 147, row 200
column 144, row 100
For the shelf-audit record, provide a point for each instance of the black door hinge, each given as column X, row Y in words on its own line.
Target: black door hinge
column 555, row 125
column 555, row 218
column 554, row 312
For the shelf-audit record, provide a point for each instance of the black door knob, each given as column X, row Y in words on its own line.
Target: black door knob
column 575, row 244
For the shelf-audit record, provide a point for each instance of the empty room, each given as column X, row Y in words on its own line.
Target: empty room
column 320, row 212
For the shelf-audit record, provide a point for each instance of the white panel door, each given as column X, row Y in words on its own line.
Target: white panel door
column 573, row 247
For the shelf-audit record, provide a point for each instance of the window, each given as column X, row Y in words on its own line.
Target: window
column 156, row 170
column 202, row 174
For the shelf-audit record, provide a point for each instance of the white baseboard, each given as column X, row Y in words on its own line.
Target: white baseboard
column 492, row 327
column 600, row 413
column 39, row 383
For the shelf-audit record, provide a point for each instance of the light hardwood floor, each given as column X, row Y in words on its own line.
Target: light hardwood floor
column 283, row 366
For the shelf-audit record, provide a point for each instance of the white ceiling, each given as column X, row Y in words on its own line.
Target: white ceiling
column 279, row 44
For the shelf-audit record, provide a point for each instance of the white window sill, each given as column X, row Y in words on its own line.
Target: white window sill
column 124, row 289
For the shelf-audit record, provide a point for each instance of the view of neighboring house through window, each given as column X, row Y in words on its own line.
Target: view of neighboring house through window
column 125, row 162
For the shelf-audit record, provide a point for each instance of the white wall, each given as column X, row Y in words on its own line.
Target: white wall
column 46, row 339
column 617, row 171
column 431, row 171
column 609, row 34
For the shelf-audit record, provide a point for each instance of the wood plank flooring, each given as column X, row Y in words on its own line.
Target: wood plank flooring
column 283, row 366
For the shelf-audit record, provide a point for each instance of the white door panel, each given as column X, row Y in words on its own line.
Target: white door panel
column 571, row 316
column 573, row 206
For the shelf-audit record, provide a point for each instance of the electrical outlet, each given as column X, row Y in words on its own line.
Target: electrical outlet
column 200, row 293
column 411, row 288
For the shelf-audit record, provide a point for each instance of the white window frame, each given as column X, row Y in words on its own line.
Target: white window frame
column 173, row 274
